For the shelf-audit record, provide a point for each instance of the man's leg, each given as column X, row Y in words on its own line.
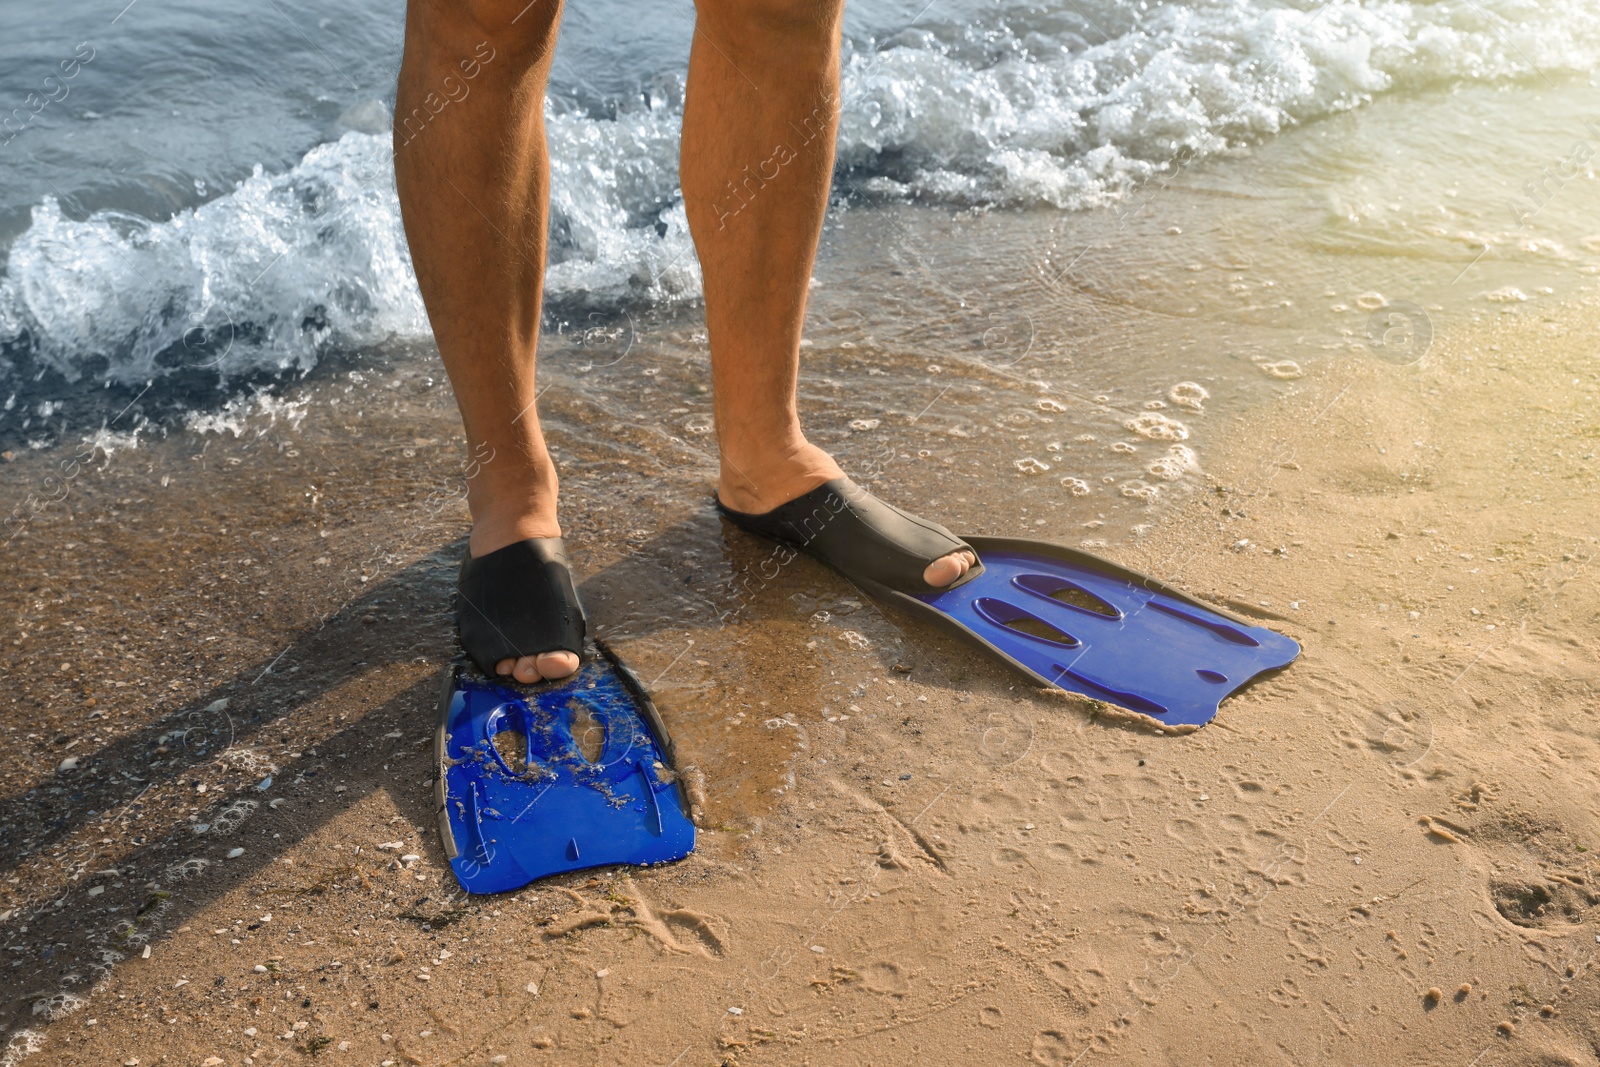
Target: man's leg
column 473, row 178
column 758, row 130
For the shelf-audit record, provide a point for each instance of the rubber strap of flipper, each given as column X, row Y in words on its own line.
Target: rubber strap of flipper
column 858, row 535
column 518, row 601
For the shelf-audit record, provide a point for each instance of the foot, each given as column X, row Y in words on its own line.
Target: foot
column 757, row 484
column 495, row 527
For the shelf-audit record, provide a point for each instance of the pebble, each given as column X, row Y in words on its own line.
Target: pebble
column 68, row 764
column 235, row 853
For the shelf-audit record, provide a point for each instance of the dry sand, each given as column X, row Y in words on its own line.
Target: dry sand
column 1384, row 855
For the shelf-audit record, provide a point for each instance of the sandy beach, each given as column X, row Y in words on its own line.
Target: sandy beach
column 218, row 813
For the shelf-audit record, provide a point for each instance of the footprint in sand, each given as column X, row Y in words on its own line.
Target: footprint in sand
column 1245, row 787
column 1061, row 851
column 1539, row 904
column 692, row 927
column 678, row 929
column 1085, row 982
column 1051, row 1048
column 1013, row 858
column 1187, row 832
column 885, row 978
column 1286, row 994
column 1531, row 878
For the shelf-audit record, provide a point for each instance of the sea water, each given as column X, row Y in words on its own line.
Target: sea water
column 1055, row 225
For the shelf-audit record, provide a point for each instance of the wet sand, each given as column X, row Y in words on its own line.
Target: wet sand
column 1385, row 852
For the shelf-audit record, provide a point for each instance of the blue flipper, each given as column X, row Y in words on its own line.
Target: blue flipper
column 1072, row 621
column 534, row 806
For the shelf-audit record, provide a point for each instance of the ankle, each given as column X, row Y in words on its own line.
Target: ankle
column 504, row 512
column 758, row 479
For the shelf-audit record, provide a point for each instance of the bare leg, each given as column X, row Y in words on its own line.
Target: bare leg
column 759, row 124
column 473, row 178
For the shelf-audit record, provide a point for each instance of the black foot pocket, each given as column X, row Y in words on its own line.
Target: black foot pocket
column 518, row 601
column 872, row 543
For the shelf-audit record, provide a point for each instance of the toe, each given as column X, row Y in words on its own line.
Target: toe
column 946, row 569
column 557, row 664
column 530, row 669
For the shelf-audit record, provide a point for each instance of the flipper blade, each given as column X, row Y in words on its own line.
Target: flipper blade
column 549, row 810
column 1140, row 643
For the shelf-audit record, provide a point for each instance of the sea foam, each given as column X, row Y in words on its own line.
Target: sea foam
column 1028, row 108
